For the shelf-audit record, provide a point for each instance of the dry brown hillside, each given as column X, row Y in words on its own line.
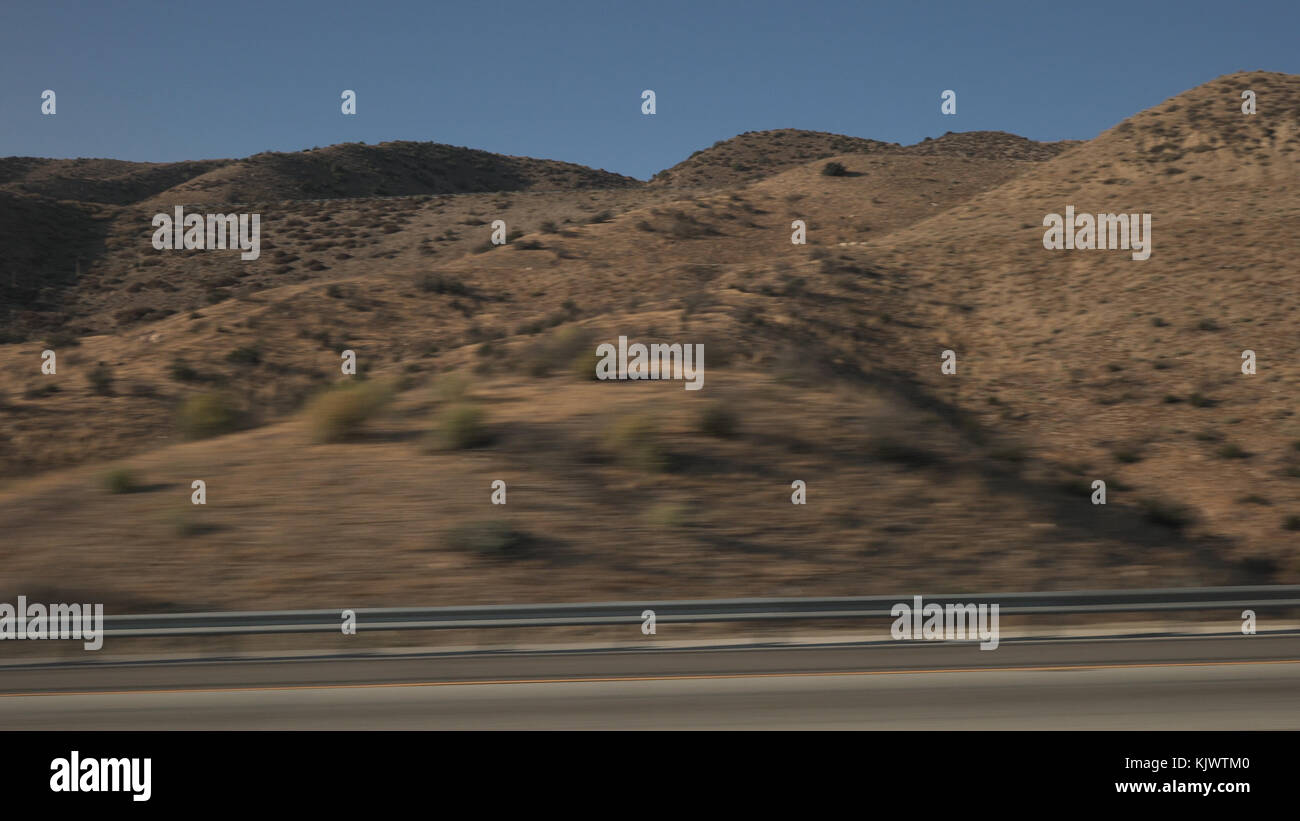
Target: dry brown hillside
column 822, row 366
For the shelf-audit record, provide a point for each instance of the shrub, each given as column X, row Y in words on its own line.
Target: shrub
column 62, row 339
column 1128, row 455
column 634, row 441
column 834, row 169
column 439, row 284
column 246, row 355
column 559, row 348
column 1291, row 523
column 452, row 387
column 208, row 414
column 584, row 364
column 720, row 420
column 36, row 391
column 888, row 449
column 183, row 520
column 181, row 370
column 667, row 516
column 101, row 379
column 461, row 426
column 1167, row 513
column 341, row 413
column 121, row 480
column 488, row 537
column 685, row 226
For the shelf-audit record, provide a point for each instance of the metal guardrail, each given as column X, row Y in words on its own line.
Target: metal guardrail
column 682, row 612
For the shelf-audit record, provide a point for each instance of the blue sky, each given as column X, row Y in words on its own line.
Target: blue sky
column 168, row 81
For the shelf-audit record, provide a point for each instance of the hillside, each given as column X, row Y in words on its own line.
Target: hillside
column 822, row 365
column 1130, row 370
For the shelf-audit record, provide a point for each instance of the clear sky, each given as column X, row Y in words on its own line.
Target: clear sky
column 162, row 81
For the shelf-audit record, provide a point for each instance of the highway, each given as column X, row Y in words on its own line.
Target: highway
column 1230, row 682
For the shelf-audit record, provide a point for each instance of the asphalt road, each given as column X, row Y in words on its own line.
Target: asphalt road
column 1238, row 682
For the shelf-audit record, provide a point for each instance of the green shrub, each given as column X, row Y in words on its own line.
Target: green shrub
column 667, row 516
column 121, row 480
column 560, row 348
column 342, row 412
column 461, row 426
column 208, row 414
column 634, row 442
column 1291, row 523
column 584, row 364
column 834, row 169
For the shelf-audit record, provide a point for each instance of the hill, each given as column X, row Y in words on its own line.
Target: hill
column 756, row 154
column 387, row 169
